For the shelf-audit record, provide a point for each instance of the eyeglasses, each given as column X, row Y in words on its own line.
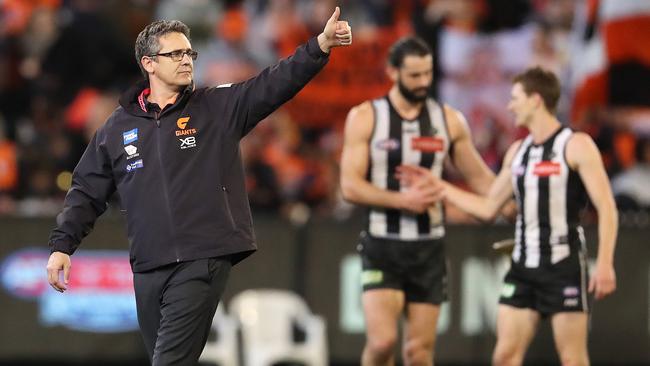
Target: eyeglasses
column 177, row 55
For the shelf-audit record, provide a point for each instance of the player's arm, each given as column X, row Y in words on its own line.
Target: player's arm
column 354, row 167
column 488, row 206
column 468, row 161
column 465, row 157
column 92, row 186
column 584, row 157
column 254, row 99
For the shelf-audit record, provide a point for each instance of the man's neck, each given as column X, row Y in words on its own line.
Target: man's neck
column 162, row 95
column 406, row 108
column 543, row 126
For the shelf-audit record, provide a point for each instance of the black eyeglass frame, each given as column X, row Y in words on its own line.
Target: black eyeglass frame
column 177, row 55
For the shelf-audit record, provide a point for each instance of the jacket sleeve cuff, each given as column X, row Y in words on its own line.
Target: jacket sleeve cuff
column 61, row 247
column 313, row 49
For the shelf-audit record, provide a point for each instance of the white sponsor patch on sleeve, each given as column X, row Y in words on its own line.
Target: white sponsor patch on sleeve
column 224, row 85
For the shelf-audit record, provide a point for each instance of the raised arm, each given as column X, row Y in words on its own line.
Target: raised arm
column 584, row 157
column 354, row 167
column 249, row 102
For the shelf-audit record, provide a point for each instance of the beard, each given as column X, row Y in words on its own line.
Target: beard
column 412, row 95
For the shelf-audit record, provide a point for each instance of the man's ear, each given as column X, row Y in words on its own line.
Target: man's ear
column 539, row 101
column 392, row 72
column 147, row 64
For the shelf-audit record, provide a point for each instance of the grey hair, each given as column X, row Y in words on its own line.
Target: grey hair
column 147, row 42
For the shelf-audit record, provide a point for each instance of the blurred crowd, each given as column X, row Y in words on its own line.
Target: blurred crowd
column 64, row 63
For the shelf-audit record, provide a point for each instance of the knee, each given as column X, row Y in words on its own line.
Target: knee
column 418, row 352
column 381, row 348
column 574, row 359
column 506, row 356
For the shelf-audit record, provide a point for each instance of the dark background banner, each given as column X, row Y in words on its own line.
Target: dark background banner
column 95, row 319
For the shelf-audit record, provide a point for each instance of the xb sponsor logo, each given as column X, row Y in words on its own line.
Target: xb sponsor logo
column 187, row 142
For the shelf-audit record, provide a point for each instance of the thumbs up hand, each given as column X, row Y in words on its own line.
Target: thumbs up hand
column 336, row 33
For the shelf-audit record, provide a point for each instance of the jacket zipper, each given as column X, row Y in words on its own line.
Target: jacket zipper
column 165, row 189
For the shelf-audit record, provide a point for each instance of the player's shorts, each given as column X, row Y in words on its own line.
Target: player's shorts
column 561, row 287
column 418, row 268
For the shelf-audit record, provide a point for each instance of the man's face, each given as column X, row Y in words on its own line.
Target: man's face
column 521, row 105
column 414, row 77
column 173, row 73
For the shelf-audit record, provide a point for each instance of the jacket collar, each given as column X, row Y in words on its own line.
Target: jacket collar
column 134, row 100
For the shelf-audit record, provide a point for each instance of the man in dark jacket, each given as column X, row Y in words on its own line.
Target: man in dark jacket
column 172, row 153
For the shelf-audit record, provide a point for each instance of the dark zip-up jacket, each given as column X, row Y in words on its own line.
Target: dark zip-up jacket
column 178, row 171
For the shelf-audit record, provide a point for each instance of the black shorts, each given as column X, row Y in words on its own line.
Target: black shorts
column 418, row 268
column 561, row 287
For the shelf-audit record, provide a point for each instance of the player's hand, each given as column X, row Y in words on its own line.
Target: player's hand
column 424, row 189
column 419, row 199
column 411, row 176
column 336, row 33
column 58, row 262
column 603, row 281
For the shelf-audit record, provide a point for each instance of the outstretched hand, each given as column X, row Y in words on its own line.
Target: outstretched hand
column 411, row 175
column 423, row 191
column 336, row 33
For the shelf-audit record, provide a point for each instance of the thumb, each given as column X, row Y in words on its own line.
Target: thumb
column 335, row 15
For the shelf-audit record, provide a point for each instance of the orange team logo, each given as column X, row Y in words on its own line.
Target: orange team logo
column 182, row 122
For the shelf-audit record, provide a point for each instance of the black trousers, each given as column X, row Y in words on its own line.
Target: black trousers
column 176, row 304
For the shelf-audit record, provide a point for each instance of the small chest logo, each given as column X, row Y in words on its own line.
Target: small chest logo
column 388, row 144
column 547, row 168
column 187, row 142
column 519, row 170
column 130, row 136
column 428, row 144
column 134, row 165
column 131, row 151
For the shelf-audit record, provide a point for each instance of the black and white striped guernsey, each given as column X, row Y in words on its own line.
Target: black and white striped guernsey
column 549, row 198
column 395, row 141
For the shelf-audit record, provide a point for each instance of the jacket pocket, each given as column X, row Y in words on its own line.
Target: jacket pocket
column 226, row 202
